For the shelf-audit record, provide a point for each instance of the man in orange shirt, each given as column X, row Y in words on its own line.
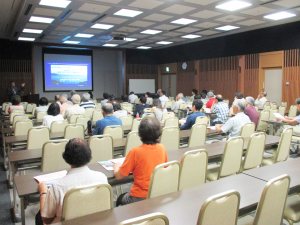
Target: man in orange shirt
column 141, row 161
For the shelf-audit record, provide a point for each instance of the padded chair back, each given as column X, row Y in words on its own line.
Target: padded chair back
column 127, row 106
column 220, row 209
column 273, row 105
column 283, row 150
column 133, row 140
column 22, row 127
column 271, row 116
column 73, row 118
column 101, row 147
column 198, row 135
column 37, row 137
column 86, row 200
column 74, row 131
column 164, row 179
column 135, row 124
column 13, row 114
column 281, row 110
column 149, row 219
column 202, row 120
column 5, row 104
column 262, row 125
column 255, row 151
column 40, row 116
column 24, row 104
column 169, row 104
column 232, row 157
column 19, row 117
column 52, row 159
column 193, row 168
column 126, row 122
column 30, row 107
column 7, row 108
column 83, row 120
column 247, row 130
column 58, row 126
column 170, row 138
column 167, row 115
column 116, row 132
column 293, row 111
column 97, row 115
column 172, row 122
column 89, row 113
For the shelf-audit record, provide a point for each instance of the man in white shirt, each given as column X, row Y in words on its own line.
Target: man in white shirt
column 179, row 100
column 261, row 99
column 75, row 108
column 132, row 97
column 163, row 98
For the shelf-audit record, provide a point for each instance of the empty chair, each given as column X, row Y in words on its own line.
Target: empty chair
column 193, row 168
column 74, row 131
column 19, row 117
column 171, row 122
column 149, row 219
column 281, row 110
column 115, row 131
column 220, row 209
column 283, row 149
column 86, row 200
column 262, row 124
column 40, row 116
column 73, row 118
column 292, row 111
column 167, row 115
column 271, row 204
column 52, row 159
column 231, row 160
column 126, row 122
column 83, row 120
column 133, row 140
column 164, row 179
column 30, row 107
column 24, row 104
column 97, row 115
column 198, row 135
column 89, row 113
column 22, row 127
column 101, row 147
column 202, row 120
column 37, row 137
column 170, row 138
column 135, row 124
column 58, row 126
column 13, row 114
column 247, row 130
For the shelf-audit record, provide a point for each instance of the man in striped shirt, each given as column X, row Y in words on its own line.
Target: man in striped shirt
column 86, row 103
column 221, row 110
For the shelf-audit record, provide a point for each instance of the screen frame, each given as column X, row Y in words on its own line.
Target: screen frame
column 61, row 51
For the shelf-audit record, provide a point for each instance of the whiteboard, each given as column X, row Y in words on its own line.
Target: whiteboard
column 142, row 85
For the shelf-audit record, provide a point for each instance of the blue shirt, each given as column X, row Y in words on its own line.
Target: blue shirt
column 106, row 121
column 190, row 121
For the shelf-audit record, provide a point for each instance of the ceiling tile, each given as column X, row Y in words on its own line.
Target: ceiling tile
column 287, row 3
column 230, row 18
column 149, row 4
column 127, row 29
column 93, row 31
column 40, row 26
column 257, row 11
column 172, row 34
column 93, row 8
column 178, row 9
column 65, row 28
column 140, row 23
column 113, row 20
column 73, row 23
column 206, row 14
column 47, row 12
column 165, row 27
column 251, row 22
column 206, row 25
column 208, row 32
column 157, row 38
column 139, row 36
column 157, row 17
column 188, row 30
column 59, row 33
column 109, row 1
column 201, row 2
column 82, row 16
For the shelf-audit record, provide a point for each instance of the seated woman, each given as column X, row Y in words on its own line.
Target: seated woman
column 16, row 104
column 43, row 105
column 141, row 161
column 53, row 115
column 77, row 154
column 158, row 109
column 118, row 111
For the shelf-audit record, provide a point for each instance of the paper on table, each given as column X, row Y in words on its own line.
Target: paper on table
column 278, row 116
column 47, row 178
column 109, row 164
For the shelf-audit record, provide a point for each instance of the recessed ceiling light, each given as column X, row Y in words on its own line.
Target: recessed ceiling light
column 81, row 35
column 128, row 13
column 143, row 47
column 279, row 15
column 102, row 26
column 130, row 39
column 164, row 42
column 26, row 39
column 151, row 31
column 72, row 42
column 183, row 21
column 191, row 36
column 33, row 31
column 227, row 28
column 39, row 19
column 233, row 5
column 55, row 3
column 110, row 45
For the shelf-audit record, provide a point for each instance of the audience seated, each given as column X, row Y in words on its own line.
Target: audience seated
column 251, row 111
column 43, row 105
column 237, row 97
column 132, row 97
column 86, row 103
column 105, row 99
column 194, row 93
column 220, row 108
column 139, row 108
column 211, row 99
column 53, row 115
column 158, row 109
column 16, row 104
column 75, row 108
column 191, row 119
column 118, row 111
column 261, row 99
column 179, row 100
column 293, row 120
column 65, row 103
column 149, row 100
column 163, row 98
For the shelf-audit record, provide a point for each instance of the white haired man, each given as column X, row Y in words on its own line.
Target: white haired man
column 179, row 100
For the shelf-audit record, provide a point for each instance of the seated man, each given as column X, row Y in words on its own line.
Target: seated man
column 235, row 124
column 132, row 97
column 179, row 100
column 86, row 103
column 141, row 161
column 77, row 154
column 251, row 110
column 220, row 108
column 75, row 108
column 191, row 119
column 108, row 120
column 139, row 108
column 163, row 98
column 293, row 120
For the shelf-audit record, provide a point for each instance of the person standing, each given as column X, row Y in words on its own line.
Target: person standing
column 11, row 91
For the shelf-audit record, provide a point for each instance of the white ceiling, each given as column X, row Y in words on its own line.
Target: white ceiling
column 80, row 15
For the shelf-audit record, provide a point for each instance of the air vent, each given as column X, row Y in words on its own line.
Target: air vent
column 28, row 9
column 98, row 18
column 65, row 14
column 178, row 28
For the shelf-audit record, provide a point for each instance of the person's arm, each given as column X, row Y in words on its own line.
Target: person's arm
column 43, row 190
column 218, row 128
column 117, row 173
column 123, row 170
column 187, row 125
column 291, row 121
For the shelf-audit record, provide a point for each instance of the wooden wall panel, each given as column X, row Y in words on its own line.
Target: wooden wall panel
column 251, row 76
column 186, row 78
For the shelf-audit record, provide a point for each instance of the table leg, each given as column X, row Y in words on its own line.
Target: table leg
column 22, row 211
column 11, row 173
column 16, row 206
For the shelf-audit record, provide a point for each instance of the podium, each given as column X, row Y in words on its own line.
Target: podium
column 33, row 98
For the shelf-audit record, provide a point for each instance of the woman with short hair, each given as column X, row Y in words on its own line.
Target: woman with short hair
column 53, row 115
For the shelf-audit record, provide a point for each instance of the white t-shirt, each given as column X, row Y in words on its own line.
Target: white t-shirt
column 163, row 99
column 235, row 124
column 120, row 113
column 48, row 119
column 132, row 98
column 74, row 109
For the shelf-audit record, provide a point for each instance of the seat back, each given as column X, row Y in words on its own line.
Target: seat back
column 5, row 104
column 272, row 201
column 167, row 115
column 232, row 157
column 135, row 124
column 169, row 104
column 292, row 111
column 6, row 108
column 30, row 107
column 24, row 104
column 149, row 219
column 116, row 131
column 13, row 114
column 58, row 126
column 19, row 117
column 83, row 120
column 171, row 122
column 198, row 135
column 73, row 118
column 74, row 131
column 127, row 106
column 22, row 127
column 247, row 130
column 283, row 149
column 193, row 168
column 271, row 116
column 101, row 147
column 133, row 140
column 202, row 120
column 126, row 122
column 164, row 179
column 89, row 113
column 281, row 110
column 220, row 209
column 170, row 138
column 262, row 125
column 97, row 115
column 52, row 159
column 37, row 137
column 96, row 198
column 40, row 116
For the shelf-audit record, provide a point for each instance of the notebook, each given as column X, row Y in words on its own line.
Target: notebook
column 109, row 164
column 47, row 178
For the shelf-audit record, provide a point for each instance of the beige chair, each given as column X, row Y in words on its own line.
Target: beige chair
column 58, row 126
column 281, row 110
column 170, row 138
column 198, row 135
column 292, row 111
column 83, row 120
column 5, row 104
column 6, row 108
column 292, row 209
column 89, row 113
column 167, row 115
column 272, row 116
column 271, row 204
column 202, row 120
column 231, row 160
column 101, row 147
column 126, row 122
column 193, row 168
column 127, row 106
column 19, row 117
column 255, row 151
column 169, row 104
column 220, row 209
column 37, row 137
column 135, row 124
column 52, row 159
column 283, row 149
column 13, row 114
column 40, row 116
column 247, row 130
column 74, row 131
column 72, row 119
column 97, row 115
column 171, row 122
column 24, row 104
column 116, row 131
column 133, row 140
column 86, row 200
column 164, row 179
column 149, row 219
column 262, row 125
column 22, row 127
column 30, row 107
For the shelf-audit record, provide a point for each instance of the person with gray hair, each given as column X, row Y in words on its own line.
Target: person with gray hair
column 75, row 108
column 251, row 110
column 179, row 100
column 108, row 120
column 64, row 103
column 86, row 103
column 234, row 125
column 261, row 99
column 211, row 99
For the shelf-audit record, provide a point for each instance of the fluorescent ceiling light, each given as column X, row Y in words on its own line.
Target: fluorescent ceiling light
column 191, row 36
column 233, row 5
column 151, row 31
column 183, row 21
column 39, row 19
column 130, row 39
column 33, row 31
column 110, row 45
column 26, row 39
column 164, row 42
column 81, row 35
column 102, row 26
column 55, row 3
column 72, row 42
column 143, row 47
column 227, row 28
column 128, row 13
column 279, row 15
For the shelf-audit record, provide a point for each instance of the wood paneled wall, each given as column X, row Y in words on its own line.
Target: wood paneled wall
column 251, row 75
column 185, row 78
